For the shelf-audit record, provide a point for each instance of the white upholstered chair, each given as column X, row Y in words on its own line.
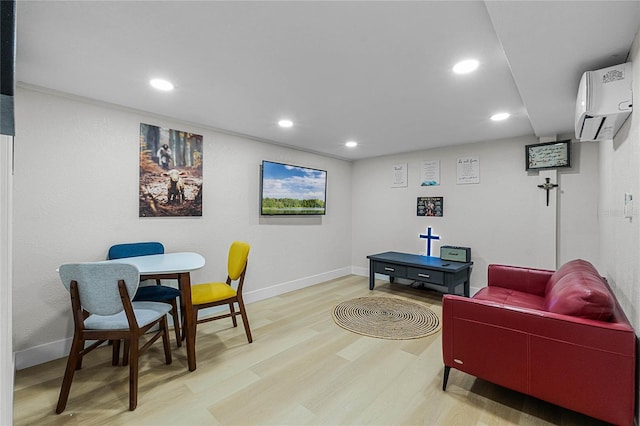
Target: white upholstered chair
column 102, row 310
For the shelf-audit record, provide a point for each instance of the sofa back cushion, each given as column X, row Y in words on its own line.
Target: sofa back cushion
column 577, row 289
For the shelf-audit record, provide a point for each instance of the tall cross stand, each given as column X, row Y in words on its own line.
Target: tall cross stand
column 429, row 237
column 547, row 186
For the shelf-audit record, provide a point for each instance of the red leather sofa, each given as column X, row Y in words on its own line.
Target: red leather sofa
column 559, row 336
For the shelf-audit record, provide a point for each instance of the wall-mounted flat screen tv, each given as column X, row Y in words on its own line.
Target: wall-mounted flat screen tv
column 292, row 190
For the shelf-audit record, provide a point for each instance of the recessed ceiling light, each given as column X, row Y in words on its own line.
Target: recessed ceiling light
column 351, row 144
column 500, row 116
column 161, row 84
column 466, row 66
column 285, row 123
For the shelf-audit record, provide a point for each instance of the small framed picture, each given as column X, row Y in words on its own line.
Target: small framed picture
column 550, row 155
column 430, row 206
column 399, row 175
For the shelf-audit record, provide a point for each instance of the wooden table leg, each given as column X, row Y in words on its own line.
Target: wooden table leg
column 189, row 326
column 467, row 283
column 372, row 275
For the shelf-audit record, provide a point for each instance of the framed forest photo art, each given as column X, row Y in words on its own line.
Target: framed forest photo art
column 170, row 172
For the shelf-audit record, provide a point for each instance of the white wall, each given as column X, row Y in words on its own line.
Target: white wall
column 76, row 186
column 620, row 237
column 620, row 165
column 6, row 323
column 76, row 179
column 497, row 217
column 578, row 222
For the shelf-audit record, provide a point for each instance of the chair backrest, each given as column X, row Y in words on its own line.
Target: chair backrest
column 98, row 284
column 238, row 256
column 120, row 251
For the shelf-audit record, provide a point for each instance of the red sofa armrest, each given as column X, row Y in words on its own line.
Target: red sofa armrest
column 527, row 280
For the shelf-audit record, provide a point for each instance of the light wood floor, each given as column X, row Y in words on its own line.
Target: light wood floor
column 301, row 369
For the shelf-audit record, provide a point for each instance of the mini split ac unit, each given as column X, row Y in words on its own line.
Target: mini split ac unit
column 604, row 102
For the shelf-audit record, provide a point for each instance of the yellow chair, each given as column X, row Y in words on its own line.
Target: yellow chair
column 222, row 293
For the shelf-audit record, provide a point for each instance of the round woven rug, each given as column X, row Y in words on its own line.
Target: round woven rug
column 386, row 318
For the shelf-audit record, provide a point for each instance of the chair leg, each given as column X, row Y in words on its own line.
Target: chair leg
column 182, row 321
column 233, row 314
column 176, row 321
column 125, row 353
column 165, row 340
column 115, row 357
column 245, row 320
column 72, row 364
column 133, row 372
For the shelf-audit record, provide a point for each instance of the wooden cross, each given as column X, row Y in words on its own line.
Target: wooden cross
column 429, row 237
column 548, row 186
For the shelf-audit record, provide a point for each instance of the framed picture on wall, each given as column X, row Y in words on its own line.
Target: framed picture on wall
column 170, row 172
column 550, row 155
column 430, row 206
column 468, row 170
column 399, row 175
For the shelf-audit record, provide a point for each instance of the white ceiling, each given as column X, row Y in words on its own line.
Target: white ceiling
column 375, row 72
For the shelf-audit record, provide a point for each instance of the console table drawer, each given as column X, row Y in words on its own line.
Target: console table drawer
column 434, row 277
column 426, row 269
column 391, row 269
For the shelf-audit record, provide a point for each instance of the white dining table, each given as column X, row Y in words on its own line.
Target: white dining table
column 173, row 266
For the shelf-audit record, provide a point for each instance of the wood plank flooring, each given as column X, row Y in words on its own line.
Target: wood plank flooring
column 301, row 369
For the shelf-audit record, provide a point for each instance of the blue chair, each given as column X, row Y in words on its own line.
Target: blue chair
column 153, row 293
column 103, row 310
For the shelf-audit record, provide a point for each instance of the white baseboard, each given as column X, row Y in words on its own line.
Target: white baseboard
column 59, row 349
column 358, row 270
column 43, row 353
column 282, row 288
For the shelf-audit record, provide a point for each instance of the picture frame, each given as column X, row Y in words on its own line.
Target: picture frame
column 430, row 206
column 170, row 176
column 548, row 155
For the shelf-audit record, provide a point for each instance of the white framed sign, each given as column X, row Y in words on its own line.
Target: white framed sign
column 468, row 169
column 430, row 173
column 399, row 175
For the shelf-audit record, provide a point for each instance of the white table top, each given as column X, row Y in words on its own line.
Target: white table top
column 164, row 263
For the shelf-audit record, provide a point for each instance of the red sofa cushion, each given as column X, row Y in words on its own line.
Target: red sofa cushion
column 508, row 297
column 576, row 289
column 575, row 265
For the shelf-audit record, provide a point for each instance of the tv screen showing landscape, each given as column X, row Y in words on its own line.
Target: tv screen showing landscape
column 292, row 190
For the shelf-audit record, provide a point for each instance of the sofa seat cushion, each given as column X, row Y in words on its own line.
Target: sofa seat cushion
column 508, row 297
column 581, row 294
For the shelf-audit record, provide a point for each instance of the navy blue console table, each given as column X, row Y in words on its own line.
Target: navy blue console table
column 427, row 269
